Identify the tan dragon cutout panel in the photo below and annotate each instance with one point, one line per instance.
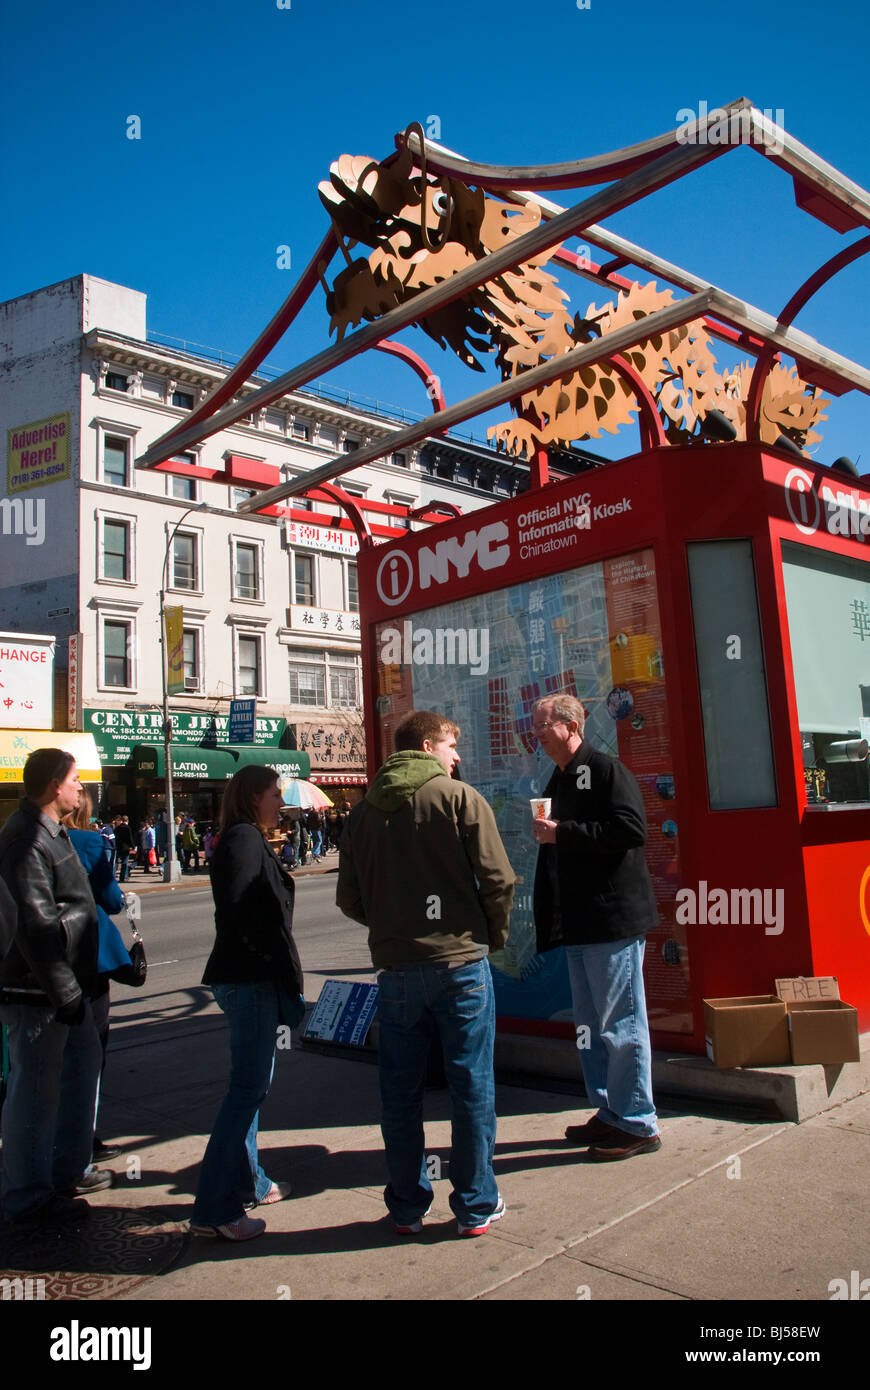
(423, 232)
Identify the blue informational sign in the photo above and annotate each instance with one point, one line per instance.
(242, 716)
(343, 1013)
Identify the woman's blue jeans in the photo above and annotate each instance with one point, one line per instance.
(458, 1006)
(231, 1173)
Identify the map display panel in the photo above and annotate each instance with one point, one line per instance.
(593, 632)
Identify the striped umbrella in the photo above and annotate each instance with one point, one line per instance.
(305, 795)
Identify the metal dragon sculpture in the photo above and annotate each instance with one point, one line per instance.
(423, 231)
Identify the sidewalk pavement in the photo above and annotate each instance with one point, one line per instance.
(152, 882)
(731, 1207)
(735, 1206)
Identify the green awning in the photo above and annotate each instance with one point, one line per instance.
(287, 762)
(216, 764)
(197, 764)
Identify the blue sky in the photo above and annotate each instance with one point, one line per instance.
(244, 105)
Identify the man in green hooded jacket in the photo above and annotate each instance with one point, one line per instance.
(422, 865)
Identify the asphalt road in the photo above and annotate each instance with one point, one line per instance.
(178, 931)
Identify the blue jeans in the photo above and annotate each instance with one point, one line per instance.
(48, 1114)
(609, 1000)
(458, 1006)
(231, 1174)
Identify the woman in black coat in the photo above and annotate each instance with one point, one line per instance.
(256, 977)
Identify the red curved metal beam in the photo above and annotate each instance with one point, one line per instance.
(421, 367)
(445, 508)
(579, 173)
(768, 353)
(652, 434)
(348, 504)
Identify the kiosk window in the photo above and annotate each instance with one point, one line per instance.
(827, 599)
(731, 675)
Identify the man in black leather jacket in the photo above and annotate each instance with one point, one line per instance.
(45, 980)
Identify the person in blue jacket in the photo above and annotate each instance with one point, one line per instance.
(112, 955)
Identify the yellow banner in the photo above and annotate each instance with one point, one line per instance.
(37, 454)
(174, 637)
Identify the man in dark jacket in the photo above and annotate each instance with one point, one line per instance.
(593, 895)
(45, 979)
(422, 865)
(123, 847)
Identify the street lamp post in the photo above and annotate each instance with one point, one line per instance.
(171, 866)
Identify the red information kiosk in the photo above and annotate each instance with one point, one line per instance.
(711, 608)
(708, 601)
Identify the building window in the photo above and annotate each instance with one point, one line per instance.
(116, 460)
(300, 430)
(247, 565)
(249, 666)
(183, 399)
(184, 489)
(192, 637)
(307, 670)
(349, 445)
(240, 494)
(116, 550)
(116, 381)
(313, 671)
(117, 645)
(402, 523)
(400, 460)
(303, 579)
(185, 570)
(181, 485)
(342, 690)
(351, 587)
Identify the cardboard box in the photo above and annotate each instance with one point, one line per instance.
(748, 1031)
(821, 1027)
(823, 1030)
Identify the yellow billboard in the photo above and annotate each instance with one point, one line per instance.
(38, 454)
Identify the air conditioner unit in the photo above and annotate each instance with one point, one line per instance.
(191, 682)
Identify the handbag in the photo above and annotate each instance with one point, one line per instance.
(152, 856)
(136, 972)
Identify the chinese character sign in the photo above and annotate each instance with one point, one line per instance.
(325, 620)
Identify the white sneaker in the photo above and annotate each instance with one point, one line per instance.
(484, 1225)
(246, 1228)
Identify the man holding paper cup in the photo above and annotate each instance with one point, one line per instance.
(593, 895)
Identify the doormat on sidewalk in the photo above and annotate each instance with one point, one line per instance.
(109, 1254)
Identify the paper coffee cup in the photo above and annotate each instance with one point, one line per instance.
(541, 807)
